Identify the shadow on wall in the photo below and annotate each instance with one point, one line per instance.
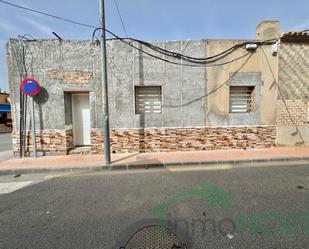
(40, 99)
(142, 115)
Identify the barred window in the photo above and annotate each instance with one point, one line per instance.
(148, 99)
(242, 99)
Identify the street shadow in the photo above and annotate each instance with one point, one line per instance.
(124, 158)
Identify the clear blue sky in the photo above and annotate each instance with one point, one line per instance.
(150, 19)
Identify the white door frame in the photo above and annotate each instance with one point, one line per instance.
(73, 112)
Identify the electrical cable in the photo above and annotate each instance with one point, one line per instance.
(212, 91)
(15, 54)
(47, 14)
(223, 53)
(283, 98)
(149, 54)
(168, 61)
(195, 60)
(119, 14)
(21, 98)
(20, 56)
(166, 52)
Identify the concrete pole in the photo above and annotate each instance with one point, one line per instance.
(104, 86)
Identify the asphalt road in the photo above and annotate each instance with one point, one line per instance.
(262, 207)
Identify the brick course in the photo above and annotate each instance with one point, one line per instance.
(185, 139)
(59, 141)
(157, 139)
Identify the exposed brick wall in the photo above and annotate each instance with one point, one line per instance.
(71, 76)
(69, 139)
(155, 140)
(185, 139)
(297, 108)
(59, 141)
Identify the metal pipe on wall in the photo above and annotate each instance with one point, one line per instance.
(33, 129)
(24, 124)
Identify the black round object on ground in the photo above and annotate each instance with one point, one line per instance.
(154, 234)
(153, 237)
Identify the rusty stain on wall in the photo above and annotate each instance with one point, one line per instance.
(74, 76)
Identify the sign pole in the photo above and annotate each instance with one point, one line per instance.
(30, 87)
(33, 129)
(24, 124)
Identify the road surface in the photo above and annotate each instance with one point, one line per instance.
(252, 207)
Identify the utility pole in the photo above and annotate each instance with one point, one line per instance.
(107, 154)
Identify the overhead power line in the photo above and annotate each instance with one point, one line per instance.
(213, 91)
(193, 60)
(47, 14)
(122, 22)
(283, 97)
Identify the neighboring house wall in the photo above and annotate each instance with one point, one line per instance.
(189, 118)
(292, 103)
(250, 70)
(4, 97)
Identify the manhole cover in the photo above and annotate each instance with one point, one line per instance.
(154, 237)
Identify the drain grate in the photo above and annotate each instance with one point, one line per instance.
(154, 237)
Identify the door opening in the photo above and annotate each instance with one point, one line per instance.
(81, 119)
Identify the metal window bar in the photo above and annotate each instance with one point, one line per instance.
(148, 99)
(241, 99)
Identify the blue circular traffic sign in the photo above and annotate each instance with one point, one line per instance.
(29, 87)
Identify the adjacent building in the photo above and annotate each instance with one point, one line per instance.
(5, 113)
(255, 97)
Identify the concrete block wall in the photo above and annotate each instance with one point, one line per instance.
(185, 139)
(68, 67)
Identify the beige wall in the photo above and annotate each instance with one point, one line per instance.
(217, 104)
(290, 135)
(268, 65)
(268, 30)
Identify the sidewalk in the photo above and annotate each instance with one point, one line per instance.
(152, 160)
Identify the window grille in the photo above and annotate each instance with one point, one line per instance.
(241, 99)
(148, 99)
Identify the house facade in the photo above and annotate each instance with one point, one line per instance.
(238, 101)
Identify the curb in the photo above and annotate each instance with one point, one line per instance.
(124, 167)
